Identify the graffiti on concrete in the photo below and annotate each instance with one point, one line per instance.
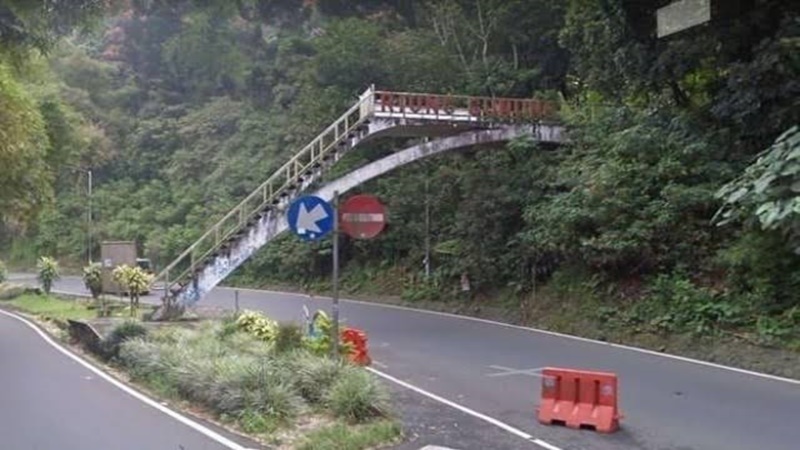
(267, 228)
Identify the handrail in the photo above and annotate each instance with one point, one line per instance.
(472, 97)
(479, 107)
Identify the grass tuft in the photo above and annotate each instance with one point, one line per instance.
(343, 437)
(357, 397)
(314, 376)
(288, 337)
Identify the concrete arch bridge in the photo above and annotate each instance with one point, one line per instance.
(447, 122)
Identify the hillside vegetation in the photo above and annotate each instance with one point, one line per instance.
(675, 209)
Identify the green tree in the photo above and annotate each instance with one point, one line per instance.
(204, 58)
(25, 181)
(768, 192)
(38, 24)
(634, 196)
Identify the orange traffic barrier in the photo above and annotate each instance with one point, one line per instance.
(358, 339)
(579, 399)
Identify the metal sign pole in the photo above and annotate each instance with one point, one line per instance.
(89, 220)
(427, 226)
(335, 306)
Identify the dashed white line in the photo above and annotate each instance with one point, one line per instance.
(491, 420)
(211, 434)
(506, 371)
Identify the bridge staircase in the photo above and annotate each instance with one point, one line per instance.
(260, 216)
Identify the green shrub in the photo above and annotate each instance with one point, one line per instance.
(93, 279)
(276, 398)
(47, 272)
(289, 336)
(121, 333)
(3, 272)
(356, 396)
(673, 303)
(134, 280)
(258, 325)
(414, 292)
(314, 376)
(232, 384)
(142, 359)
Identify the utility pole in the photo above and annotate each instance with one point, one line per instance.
(427, 226)
(335, 304)
(89, 215)
(89, 220)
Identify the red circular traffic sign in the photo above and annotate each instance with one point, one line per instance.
(362, 216)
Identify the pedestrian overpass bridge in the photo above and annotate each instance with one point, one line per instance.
(446, 122)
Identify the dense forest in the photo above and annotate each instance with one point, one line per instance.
(676, 207)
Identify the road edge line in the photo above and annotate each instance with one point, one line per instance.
(209, 433)
(491, 420)
(541, 331)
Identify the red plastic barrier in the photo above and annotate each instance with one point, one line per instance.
(358, 339)
(578, 398)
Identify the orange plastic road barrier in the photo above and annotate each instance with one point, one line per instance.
(578, 398)
(358, 339)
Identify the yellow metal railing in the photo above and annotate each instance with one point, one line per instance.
(288, 175)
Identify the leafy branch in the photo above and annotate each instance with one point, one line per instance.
(768, 191)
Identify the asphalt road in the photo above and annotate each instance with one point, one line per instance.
(49, 401)
(668, 404)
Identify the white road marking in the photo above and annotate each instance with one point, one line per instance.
(550, 333)
(222, 440)
(464, 409)
(505, 371)
(380, 364)
(545, 444)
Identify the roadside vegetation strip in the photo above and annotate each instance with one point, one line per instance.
(243, 379)
(51, 307)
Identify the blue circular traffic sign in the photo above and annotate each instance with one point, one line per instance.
(310, 217)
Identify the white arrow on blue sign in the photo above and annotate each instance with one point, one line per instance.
(310, 217)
